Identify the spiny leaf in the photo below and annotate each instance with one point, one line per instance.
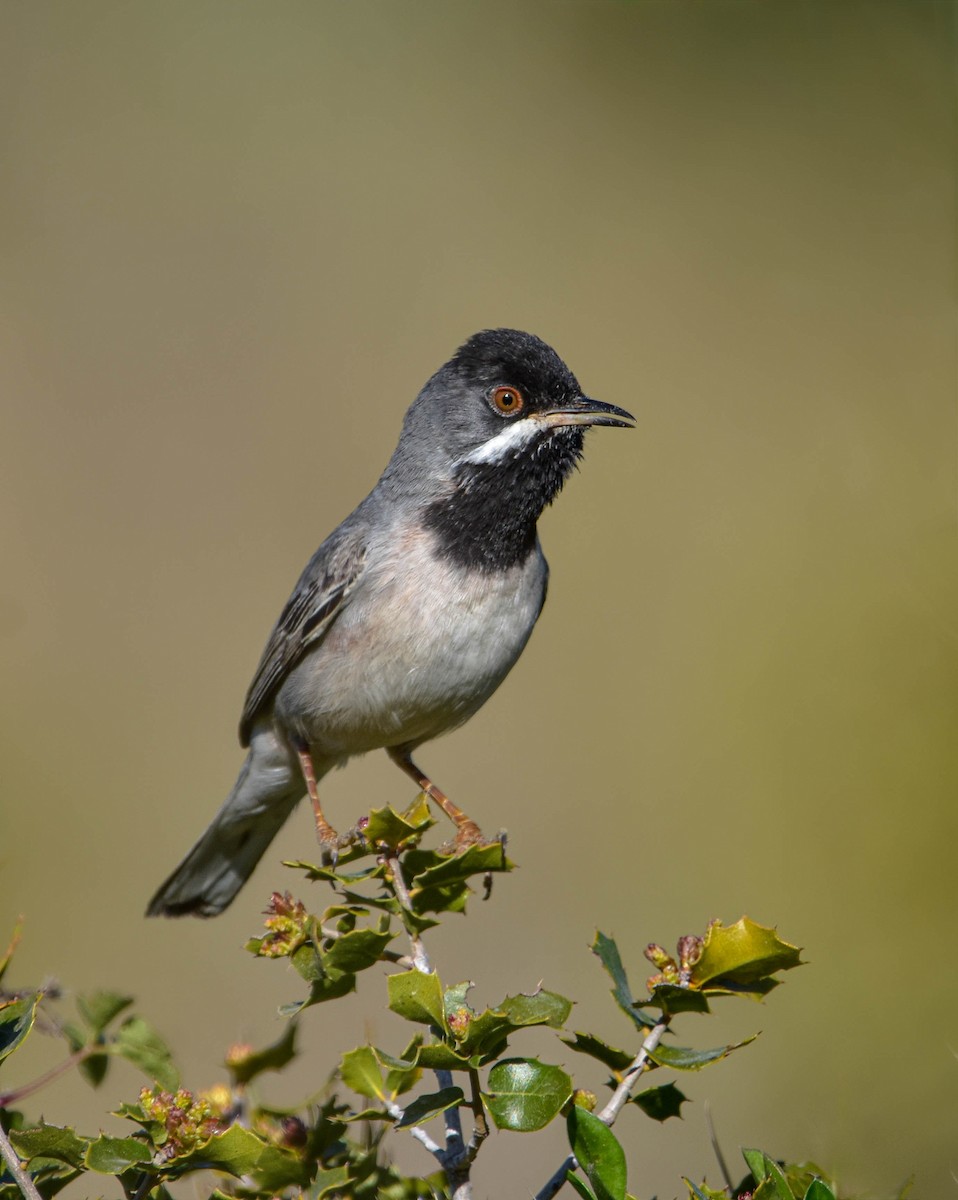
(139, 1043)
(99, 1008)
(50, 1141)
(245, 1064)
(236, 1151)
(598, 1153)
(388, 828)
(417, 996)
(607, 952)
(672, 999)
(587, 1043)
(525, 1095)
(356, 951)
(429, 869)
(742, 954)
(113, 1156)
(430, 1105)
(16, 1021)
(703, 1192)
(683, 1058)
(437, 1056)
(360, 1071)
(662, 1102)
(538, 1008)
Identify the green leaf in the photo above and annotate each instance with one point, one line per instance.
(580, 1185)
(247, 1065)
(608, 954)
(437, 1056)
(278, 1168)
(525, 1095)
(50, 1141)
(739, 955)
(16, 1021)
(113, 1156)
(703, 1192)
(139, 1043)
(321, 990)
(587, 1043)
(683, 1058)
(401, 1073)
(236, 1151)
(99, 1008)
(755, 1161)
(429, 869)
(598, 1153)
(772, 1184)
(662, 1102)
(94, 1068)
(431, 1105)
(330, 1183)
(387, 828)
(539, 1008)
(671, 998)
(360, 1071)
(819, 1190)
(356, 951)
(417, 996)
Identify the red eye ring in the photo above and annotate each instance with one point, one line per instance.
(507, 400)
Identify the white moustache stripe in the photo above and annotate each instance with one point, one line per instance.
(504, 444)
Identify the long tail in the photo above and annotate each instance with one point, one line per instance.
(267, 790)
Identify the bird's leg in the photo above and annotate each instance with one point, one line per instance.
(327, 837)
(468, 832)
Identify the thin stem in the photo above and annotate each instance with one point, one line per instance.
(480, 1130)
(420, 959)
(27, 1089)
(615, 1105)
(12, 1159)
(416, 1131)
(717, 1149)
(455, 1161)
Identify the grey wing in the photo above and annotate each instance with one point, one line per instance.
(318, 597)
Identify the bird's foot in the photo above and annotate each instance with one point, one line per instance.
(468, 834)
(331, 842)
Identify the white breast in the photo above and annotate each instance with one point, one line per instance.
(418, 649)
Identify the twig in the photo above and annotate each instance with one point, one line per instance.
(416, 1131)
(455, 1159)
(615, 1105)
(12, 1159)
(420, 959)
(480, 1130)
(27, 1089)
(717, 1149)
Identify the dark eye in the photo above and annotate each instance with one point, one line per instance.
(507, 400)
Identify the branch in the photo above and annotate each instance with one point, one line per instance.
(27, 1089)
(12, 1159)
(455, 1159)
(615, 1105)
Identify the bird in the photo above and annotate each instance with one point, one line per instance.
(414, 609)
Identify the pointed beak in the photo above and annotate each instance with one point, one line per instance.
(584, 411)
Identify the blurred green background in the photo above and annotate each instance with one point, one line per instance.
(237, 238)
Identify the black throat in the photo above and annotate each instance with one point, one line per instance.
(488, 521)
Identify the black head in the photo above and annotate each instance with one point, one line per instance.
(489, 442)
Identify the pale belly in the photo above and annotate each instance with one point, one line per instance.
(412, 657)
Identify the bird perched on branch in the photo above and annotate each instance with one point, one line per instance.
(412, 612)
